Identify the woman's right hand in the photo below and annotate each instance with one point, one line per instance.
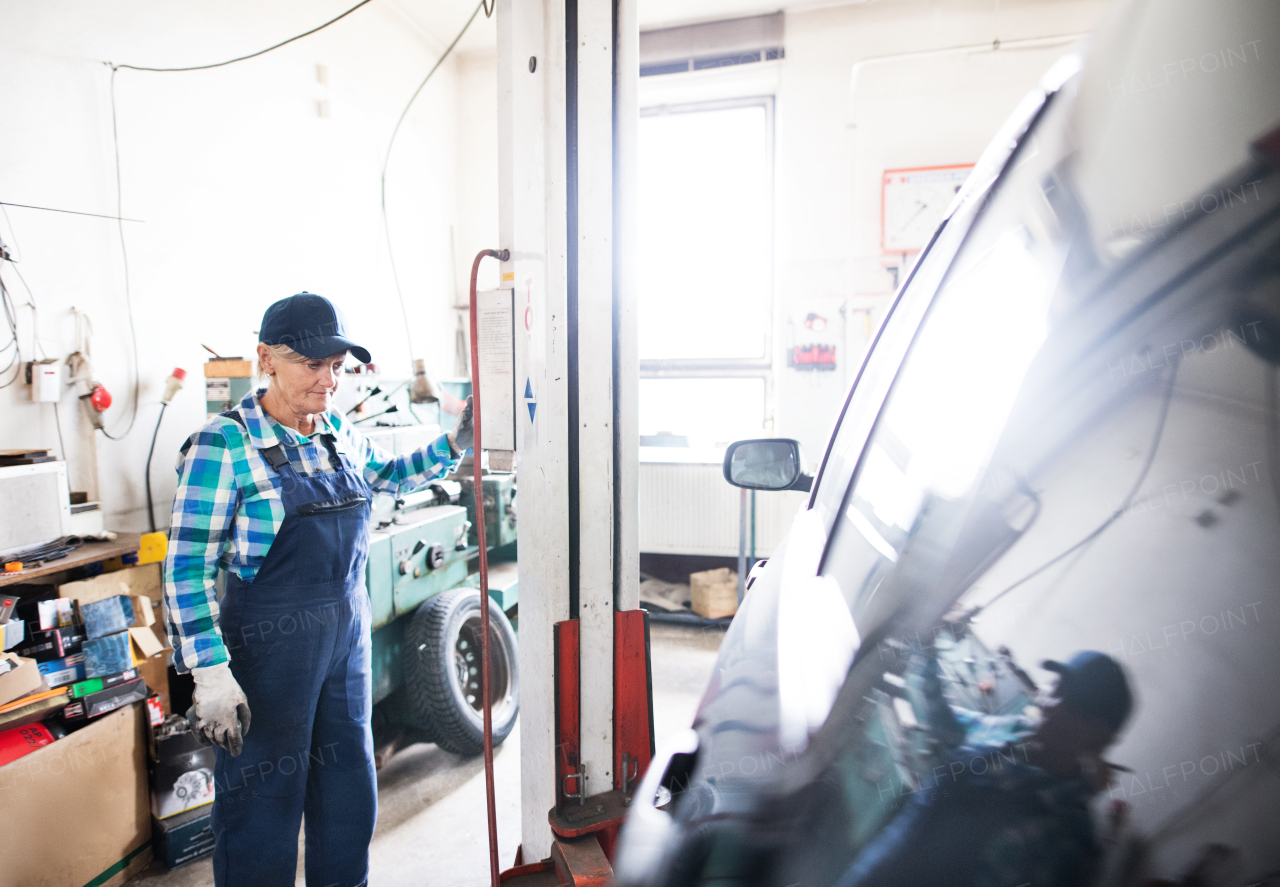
(219, 711)
(463, 435)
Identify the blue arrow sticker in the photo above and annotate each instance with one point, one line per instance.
(532, 407)
(528, 390)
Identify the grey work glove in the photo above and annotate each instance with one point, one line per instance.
(463, 435)
(220, 712)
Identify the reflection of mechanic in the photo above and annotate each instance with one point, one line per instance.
(1010, 803)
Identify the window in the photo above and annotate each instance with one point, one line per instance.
(705, 257)
(706, 412)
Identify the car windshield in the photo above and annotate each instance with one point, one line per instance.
(1074, 468)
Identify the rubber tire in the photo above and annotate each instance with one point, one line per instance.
(432, 685)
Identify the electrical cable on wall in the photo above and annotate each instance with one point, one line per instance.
(119, 216)
(70, 212)
(386, 228)
(10, 309)
(10, 312)
(151, 451)
(11, 319)
(57, 421)
(124, 254)
(252, 55)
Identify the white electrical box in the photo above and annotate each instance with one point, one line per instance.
(46, 382)
(496, 353)
(37, 505)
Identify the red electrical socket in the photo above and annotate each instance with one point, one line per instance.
(100, 398)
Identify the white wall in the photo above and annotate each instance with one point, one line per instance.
(909, 113)
(246, 192)
(477, 167)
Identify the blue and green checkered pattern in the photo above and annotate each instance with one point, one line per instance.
(228, 509)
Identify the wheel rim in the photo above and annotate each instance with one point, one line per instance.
(466, 661)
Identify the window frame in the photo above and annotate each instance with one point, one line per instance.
(761, 367)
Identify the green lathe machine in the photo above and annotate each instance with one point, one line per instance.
(423, 545)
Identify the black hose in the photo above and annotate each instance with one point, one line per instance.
(151, 510)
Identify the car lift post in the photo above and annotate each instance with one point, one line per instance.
(568, 73)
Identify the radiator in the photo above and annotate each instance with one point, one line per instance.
(689, 508)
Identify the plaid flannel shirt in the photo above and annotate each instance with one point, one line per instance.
(228, 509)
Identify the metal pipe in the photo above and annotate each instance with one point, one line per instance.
(742, 544)
(478, 492)
(993, 46)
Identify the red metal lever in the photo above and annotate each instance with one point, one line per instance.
(478, 491)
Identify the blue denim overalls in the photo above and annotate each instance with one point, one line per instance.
(298, 636)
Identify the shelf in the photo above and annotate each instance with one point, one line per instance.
(90, 552)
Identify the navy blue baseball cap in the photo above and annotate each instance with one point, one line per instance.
(1094, 685)
(311, 325)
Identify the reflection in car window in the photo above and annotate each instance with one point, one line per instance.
(953, 393)
(882, 363)
(1050, 537)
(900, 325)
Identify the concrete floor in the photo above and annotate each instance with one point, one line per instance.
(431, 811)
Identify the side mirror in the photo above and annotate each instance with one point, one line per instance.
(771, 463)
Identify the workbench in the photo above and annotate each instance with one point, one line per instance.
(88, 553)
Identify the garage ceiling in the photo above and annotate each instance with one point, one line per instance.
(439, 20)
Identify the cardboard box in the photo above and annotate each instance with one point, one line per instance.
(80, 810)
(55, 643)
(714, 593)
(183, 838)
(93, 685)
(56, 612)
(182, 776)
(144, 613)
(107, 616)
(15, 632)
(64, 671)
(146, 581)
(23, 678)
(108, 655)
(145, 642)
(155, 671)
(33, 712)
(108, 699)
(21, 741)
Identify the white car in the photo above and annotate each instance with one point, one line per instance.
(1063, 439)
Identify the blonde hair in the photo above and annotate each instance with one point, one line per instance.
(279, 352)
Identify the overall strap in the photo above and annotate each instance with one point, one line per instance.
(275, 455)
(334, 459)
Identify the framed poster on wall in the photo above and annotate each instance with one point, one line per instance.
(913, 202)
